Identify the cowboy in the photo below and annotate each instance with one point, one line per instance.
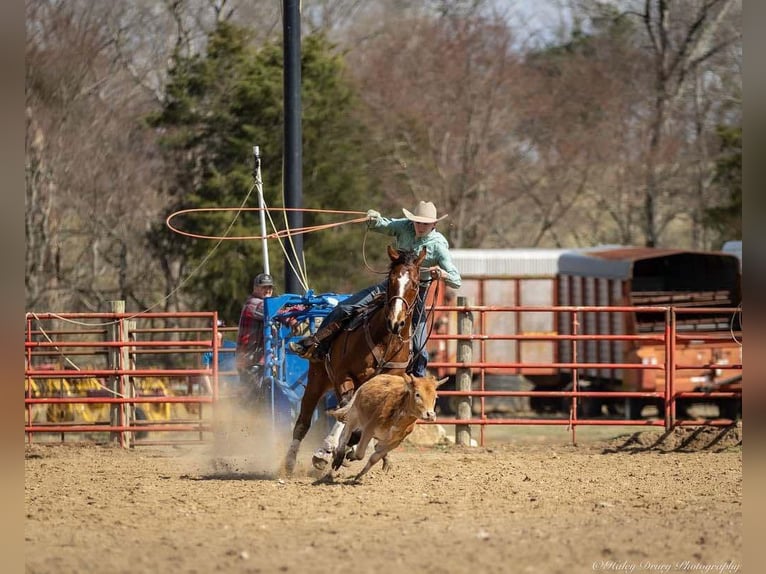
(413, 232)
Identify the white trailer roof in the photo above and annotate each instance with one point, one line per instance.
(528, 262)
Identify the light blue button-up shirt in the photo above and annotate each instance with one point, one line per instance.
(437, 247)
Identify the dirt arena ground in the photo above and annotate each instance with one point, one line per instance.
(527, 502)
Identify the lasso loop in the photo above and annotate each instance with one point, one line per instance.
(276, 235)
(364, 256)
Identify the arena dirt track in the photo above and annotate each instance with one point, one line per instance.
(528, 505)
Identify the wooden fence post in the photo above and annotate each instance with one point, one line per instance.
(463, 377)
(117, 358)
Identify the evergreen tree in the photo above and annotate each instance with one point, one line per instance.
(218, 105)
(726, 219)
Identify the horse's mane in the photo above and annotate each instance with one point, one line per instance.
(406, 257)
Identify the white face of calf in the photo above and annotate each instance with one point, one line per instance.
(423, 396)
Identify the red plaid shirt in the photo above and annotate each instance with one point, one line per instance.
(250, 334)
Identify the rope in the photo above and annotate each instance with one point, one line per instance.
(178, 287)
(364, 254)
(288, 233)
(276, 235)
(60, 351)
(302, 271)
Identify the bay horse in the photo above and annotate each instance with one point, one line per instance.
(381, 344)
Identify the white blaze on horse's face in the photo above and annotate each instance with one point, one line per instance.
(398, 306)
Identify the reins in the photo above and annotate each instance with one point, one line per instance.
(428, 312)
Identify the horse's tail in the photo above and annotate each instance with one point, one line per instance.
(342, 412)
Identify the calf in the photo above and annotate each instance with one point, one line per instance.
(385, 408)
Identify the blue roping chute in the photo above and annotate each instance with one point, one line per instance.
(286, 371)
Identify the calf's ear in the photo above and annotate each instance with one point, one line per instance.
(441, 382)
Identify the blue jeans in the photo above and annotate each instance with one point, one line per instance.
(358, 300)
(419, 336)
(361, 299)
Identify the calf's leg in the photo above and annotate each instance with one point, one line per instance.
(340, 450)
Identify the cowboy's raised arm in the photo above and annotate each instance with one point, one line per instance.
(386, 226)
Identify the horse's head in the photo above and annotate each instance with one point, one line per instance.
(403, 284)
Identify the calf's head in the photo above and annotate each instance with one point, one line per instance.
(422, 396)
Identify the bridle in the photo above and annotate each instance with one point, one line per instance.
(380, 357)
(409, 306)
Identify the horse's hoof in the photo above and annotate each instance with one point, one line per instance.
(321, 458)
(286, 470)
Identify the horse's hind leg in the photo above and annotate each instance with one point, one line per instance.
(317, 386)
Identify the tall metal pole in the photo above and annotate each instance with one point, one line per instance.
(262, 205)
(293, 174)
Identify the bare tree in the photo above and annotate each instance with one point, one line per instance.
(91, 170)
(439, 93)
(578, 109)
(682, 37)
(594, 115)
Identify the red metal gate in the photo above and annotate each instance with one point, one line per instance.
(119, 376)
(89, 376)
(649, 368)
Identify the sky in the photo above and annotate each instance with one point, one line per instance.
(539, 18)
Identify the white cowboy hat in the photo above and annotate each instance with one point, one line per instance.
(425, 212)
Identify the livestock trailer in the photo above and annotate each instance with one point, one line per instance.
(641, 276)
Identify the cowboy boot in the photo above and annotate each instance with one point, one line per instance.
(307, 346)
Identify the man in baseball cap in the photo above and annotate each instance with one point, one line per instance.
(263, 280)
(249, 353)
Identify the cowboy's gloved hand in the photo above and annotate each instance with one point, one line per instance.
(372, 214)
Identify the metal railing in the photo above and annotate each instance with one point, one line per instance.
(116, 376)
(470, 374)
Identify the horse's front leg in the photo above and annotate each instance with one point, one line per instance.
(325, 453)
(316, 387)
(340, 447)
